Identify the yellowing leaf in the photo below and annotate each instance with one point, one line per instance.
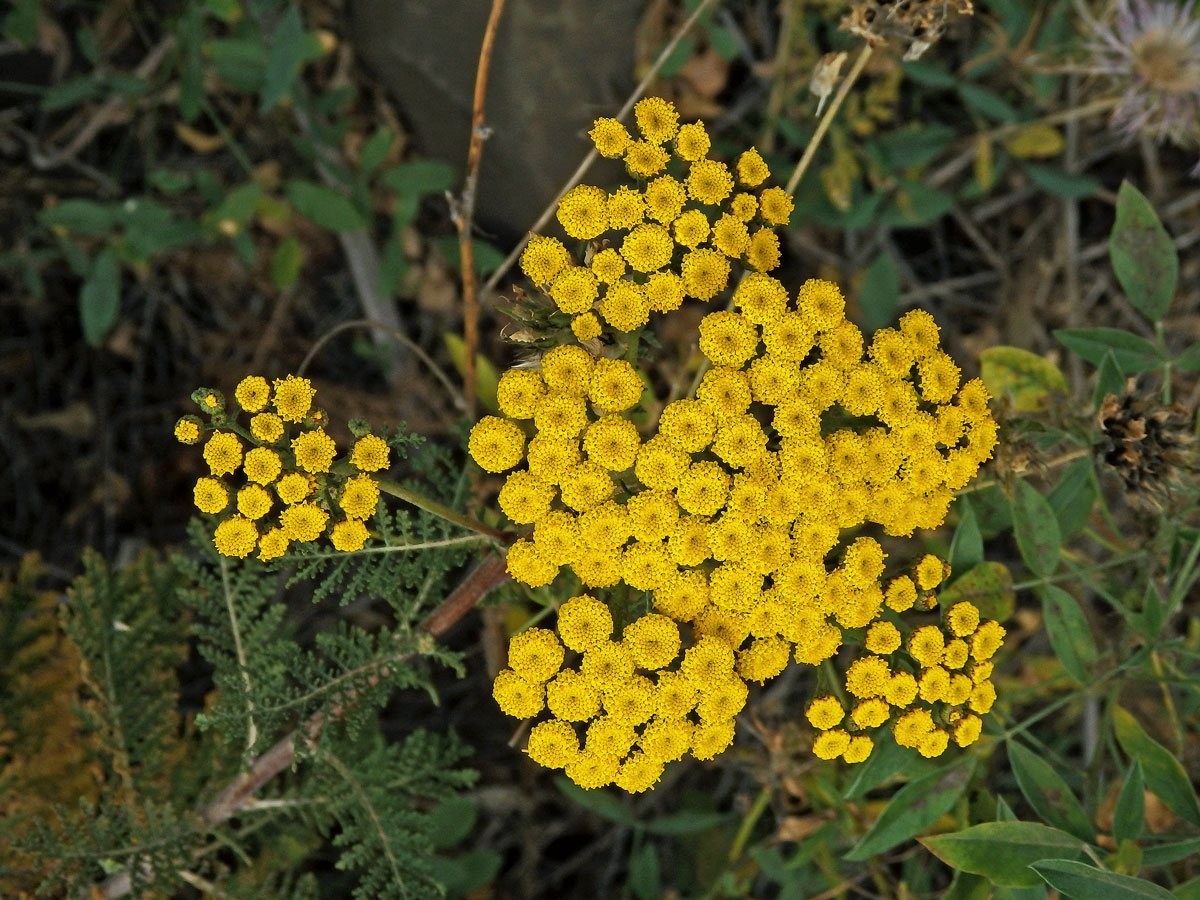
(199, 141)
(985, 174)
(1025, 377)
(1036, 142)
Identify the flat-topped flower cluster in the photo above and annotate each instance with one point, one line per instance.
(291, 459)
(723, 518)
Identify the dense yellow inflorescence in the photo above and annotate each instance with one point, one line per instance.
(801, 429)
(294, 487)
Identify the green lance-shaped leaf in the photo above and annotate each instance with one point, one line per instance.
(1048, 793)
(1003, 851)
(1133, 353)
(1036, 529)
(1164, 774)
(1143, 255)
(1069, 634)
(1080, 881)
(914, 808)
(1024, 377)
(100, 298)
(1130, 811)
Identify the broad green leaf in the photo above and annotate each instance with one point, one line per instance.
(1068, 631)
(1109, 380)
(914, 808)
(375, 150)
(916, 146)
(987, 102)
(1048, 793)
(71, 93)
(685, 822)
(1165, 854)
(644, 875)
(886, 759)
(239, 62)
(1164, 774)
(601, 803)
(100, 298)
(1143, 255)
(1134, 354)
(1079, 881)
(1189, 890)
(966, 547)
(1035, 528)
(1036, 141)
(916, 204)
(1073, 497)
(1130, 812)
(1054, 180)
(1003, 851)
(21, 23)
(451, 821)
(466, 873)
(1024, 377)
(324, 206)
(286, 262)
(929, 73)
(880, 296)
(237, 205)
(988, 585)
(1189, 358)
(80, 216)
(283, 65)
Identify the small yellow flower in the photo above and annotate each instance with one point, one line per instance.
(610, 137)
(293, 397)
(236, 536)
(517, 696)
(608, 266)
(496, 444)
(253, 501)
(692, 142)
(776, 206)
(664, 199)
(360, 496)
(656, 118)
(252, 393)
(370, 453)
(647, 247)
(586, 327)
(645, 159)
(210, 496)
(314, 450)
(267, 428)
(752, 169)
(705, 273)
(543, 258)
(272, 545)
(348, 535)
(552, 744)
(574, 290)
(625, 306)
(262, 465)
(223, 453)
(294, 487)
(584, 622)
(825, 712)
(187, 430)
(303, 521)
(691, 229)
(535, 654)
(583, 212)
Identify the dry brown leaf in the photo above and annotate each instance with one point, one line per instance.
(199, 141)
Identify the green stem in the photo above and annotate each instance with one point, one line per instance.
(743, 833)
(437, 509)
(1162, 348)
(1077, 573)
(1063, 701)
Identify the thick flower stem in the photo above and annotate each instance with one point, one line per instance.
(442, 512)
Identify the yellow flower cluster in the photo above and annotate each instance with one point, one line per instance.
(295, 465)
(662, 256)
(723, 518)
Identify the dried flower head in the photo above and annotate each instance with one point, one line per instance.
(1149, 445)
(1151, 51)
(915, 25)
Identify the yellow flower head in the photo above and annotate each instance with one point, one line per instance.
(543, 258)
(962, 618)
(528, 565)
(822, 303)
(187, 430)
(262, 465)
(664, 291)
(776, 206)
(626, 307)
(303, 521)
(691, 228)
(610, 137)
(825, 712)
(566, 370)
(705, 273)
(572, 697)
(752, 169)
(763, 252)
(709, 182)
(653, 641)
(314, 450)
(608, 265)
(293, 397)
(235, 536)
(360, 496)
(583, 212)
(517, 696)
(294, 487)
(626, 208)
(647, 247)
(867, 676)
(744, 206)
(525, 498)
(656, 118)
(615, 385)
(252, 393)
(692, 142)
(926, 645)
(223, 453)
(496, 444)
(348, 535)
(267, 428)
(253, 501)
(535, 654)
(552, 744)
(586, 327)
(584, 622)
(574, 289)
(644, 158)
(272, 545)
(930, 572)
(210, 496)
(831, 744)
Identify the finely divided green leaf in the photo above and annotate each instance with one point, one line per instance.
(1069, 634)
(1133, 354)
(1143, 255)
(914, 808)
(1130, 811)
(1003, 851)
(1164, 774)
(1079, 881)
(1048, 793)
(1035, 528)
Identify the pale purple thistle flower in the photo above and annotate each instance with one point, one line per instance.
(1153, 51)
